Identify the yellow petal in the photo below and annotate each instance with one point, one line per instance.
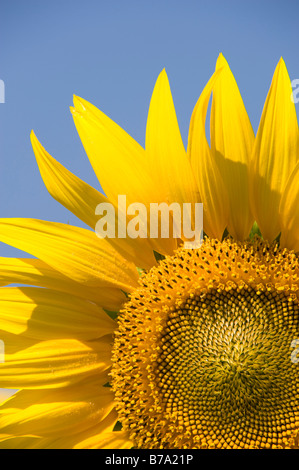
(75, 252)
(69, 190)
(107, 440)
(103, 436)
(36, 272)
(5, 394)
(81, 199)
(91, 438)
(47, 314)
(119, 163)
(289, 212)
(165, 149)
(166, 156)
(274, 153)
(52, 364)
(232, 141)
(54, 413)
(117, 159)
(7, 441)
(212, 191)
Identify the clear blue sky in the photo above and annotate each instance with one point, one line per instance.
(110, 52)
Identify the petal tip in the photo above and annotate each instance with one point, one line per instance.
(162, 77)
(36, 145)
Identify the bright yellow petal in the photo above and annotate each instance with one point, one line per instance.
(212, 191)
(165, 149)
(81, 199)
(75, 252)
(107, 440)
(9, 442)
(52, 364)
(274, 154)
(289, 212)
(36, 272)
(56, 413)
(96, 437)
(119, 163)
(47, 314)
(103, 436)
(232, 140)
(91, 438)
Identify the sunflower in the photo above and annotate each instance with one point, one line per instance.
(121, 343)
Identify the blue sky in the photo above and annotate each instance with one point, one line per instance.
(110, 52)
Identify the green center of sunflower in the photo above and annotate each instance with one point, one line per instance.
(202, 355)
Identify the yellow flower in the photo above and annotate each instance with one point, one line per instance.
(200, 353)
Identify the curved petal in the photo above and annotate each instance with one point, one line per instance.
(119, 163)
(34, 272)
(52, 364)
(274, 153)
(117, 159)
(5, 394)
(232, 140)
(75, 252)
(289, 212)
(10, 442)
(96, 437)
(165, 149)
(102, 436)
(107, 440)
(47, 314)
(212, 191)
(69, 190)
